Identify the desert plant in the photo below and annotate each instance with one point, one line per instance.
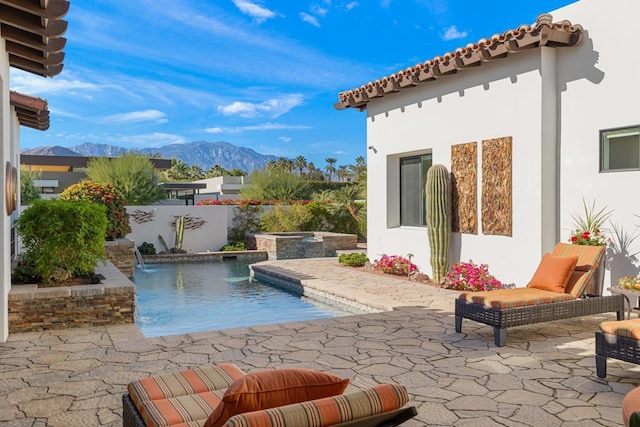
(179, 225)
(353, 259)
(147, 248)
(63, 238)
(439, 219)
(107, 196)
(133, 175)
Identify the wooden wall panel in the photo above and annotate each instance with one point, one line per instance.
(464, 188)
(497, 210)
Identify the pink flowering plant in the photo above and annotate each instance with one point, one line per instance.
(467, 276)
(394, 264)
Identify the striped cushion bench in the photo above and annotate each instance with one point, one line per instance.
(184, 398)
(372, 403)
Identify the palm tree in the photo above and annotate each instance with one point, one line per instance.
(330, 168)
(343, 173)
(360, 161)
(300, 162)
(179, 171)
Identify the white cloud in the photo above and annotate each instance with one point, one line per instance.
(318, 10)
(137, 116)
(31, 84)
(309, 19)
(261, 127)
(285, 138)
(257, 12)
(272, 108)
(452, 33)
(351, 5)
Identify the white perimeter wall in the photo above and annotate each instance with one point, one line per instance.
(210, 237)
(602, 90)
(455, 110)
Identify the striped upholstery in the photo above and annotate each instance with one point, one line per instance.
(622, 328)
(588, 259)
(327, 411)
(515, 297)
(184, 398)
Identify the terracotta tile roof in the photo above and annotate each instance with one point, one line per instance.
(33, 32)
(32, 112)
(544, 32)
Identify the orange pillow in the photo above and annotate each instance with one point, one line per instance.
(553, 273)
(273, 388)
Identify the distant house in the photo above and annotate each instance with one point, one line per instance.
(33, 42)
(530, 122)
(59, 172)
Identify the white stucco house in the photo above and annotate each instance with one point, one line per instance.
(551, 104)
(31, 40)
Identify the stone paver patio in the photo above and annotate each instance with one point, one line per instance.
(544, 376)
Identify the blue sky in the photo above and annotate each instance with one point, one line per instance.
(262, 74)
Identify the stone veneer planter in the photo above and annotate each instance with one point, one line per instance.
(304, 244)
(37, 309)
(120, 253)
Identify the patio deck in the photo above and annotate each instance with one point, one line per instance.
(544, 375)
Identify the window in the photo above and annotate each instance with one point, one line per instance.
(620, 149)
(413, 176)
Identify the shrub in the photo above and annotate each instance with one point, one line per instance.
(108, 196)
(147, 248)
(28, 191)
(354, 259)
(238, 246)
(467, 276)
(246, 219)
(62, 238)
(275, 184)
(394, 264)
(133, 175)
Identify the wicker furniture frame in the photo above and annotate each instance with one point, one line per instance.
(501, 319)
(590, 265)
(131, 417)
(616, 347)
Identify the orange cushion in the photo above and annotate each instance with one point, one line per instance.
(630, 404)
(514, 297)
(622, 328)
(553, 273)
(273, 388)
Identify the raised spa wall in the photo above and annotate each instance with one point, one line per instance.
(301, 244)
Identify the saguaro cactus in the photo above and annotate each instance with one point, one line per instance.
(438, 190)
(179, 232)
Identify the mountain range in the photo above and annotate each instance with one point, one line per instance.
(200, 153)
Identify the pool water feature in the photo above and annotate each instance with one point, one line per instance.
(191, 297)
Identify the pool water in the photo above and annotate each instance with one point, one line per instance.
(191, 297)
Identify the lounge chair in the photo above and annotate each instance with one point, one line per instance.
(505, 308)
(197, 397)
(617, 340)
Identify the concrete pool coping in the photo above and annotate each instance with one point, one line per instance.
(544, 375)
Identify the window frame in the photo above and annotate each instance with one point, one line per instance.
(422, 222)
(602, 150)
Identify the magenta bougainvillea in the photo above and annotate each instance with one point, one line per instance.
(467, 276)
(394, 264)
(108, 196)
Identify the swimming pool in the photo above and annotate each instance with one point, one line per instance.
(191, 297)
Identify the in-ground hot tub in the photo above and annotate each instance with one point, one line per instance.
(303, 244)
